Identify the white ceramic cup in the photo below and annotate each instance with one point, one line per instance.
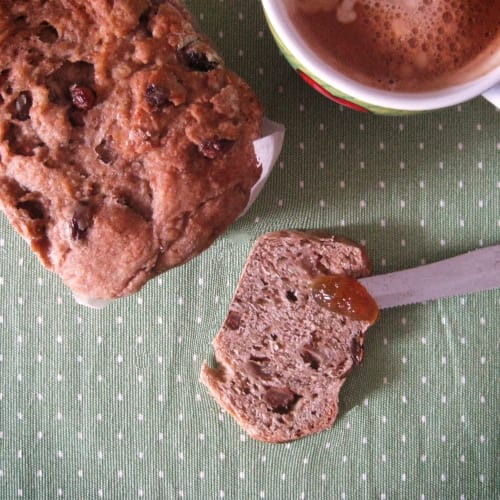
(341, 88)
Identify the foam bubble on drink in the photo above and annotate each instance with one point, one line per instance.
(403, 43)
(346, 12)
(426, 29)
(424, 24)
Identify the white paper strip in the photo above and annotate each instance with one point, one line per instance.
(267, 150)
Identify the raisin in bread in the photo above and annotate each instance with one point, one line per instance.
(126, 146)
(281, 357)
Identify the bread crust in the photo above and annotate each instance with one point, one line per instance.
(281, 357)
(126, 146)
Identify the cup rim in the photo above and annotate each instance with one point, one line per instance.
(410, 101)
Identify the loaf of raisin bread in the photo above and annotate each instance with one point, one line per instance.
(126, 146)
(281, 355)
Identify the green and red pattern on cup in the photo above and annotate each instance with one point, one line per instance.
(327, 90)
(363, 98)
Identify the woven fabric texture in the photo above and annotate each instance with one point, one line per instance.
(108, 404)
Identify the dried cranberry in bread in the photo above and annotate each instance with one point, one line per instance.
(126, 146)
(281, 356)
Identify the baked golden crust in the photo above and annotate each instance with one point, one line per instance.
(126, 146)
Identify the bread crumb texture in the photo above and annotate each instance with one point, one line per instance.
(281, 357)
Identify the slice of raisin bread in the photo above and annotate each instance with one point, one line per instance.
(282, 357)
(126, 145)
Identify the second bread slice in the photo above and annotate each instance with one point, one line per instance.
(282, 358)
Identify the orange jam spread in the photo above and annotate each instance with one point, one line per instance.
(345, 295)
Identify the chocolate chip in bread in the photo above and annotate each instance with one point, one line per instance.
(126, 146)
(282, 357)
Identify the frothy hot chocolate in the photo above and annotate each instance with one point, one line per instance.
(402, 45)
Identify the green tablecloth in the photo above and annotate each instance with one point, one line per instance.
(107, 403)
